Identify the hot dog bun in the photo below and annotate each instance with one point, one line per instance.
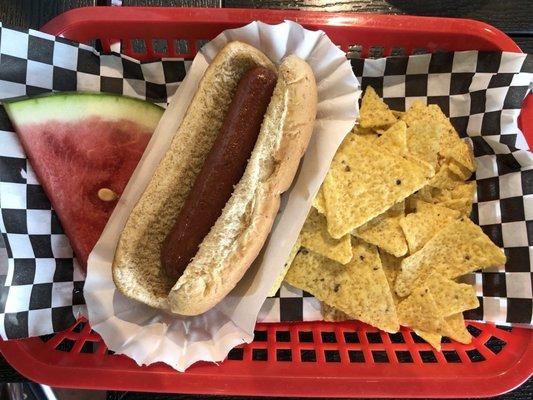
(239, 233)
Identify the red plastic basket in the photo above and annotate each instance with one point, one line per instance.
(347, 359)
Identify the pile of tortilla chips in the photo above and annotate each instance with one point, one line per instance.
(389, 231)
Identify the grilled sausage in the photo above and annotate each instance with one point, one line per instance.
(221, 171)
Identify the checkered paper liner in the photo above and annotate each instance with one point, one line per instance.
(41, 288)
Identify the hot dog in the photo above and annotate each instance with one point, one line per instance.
(173, 228)
(221, 171)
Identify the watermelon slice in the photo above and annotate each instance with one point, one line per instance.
(83, 148)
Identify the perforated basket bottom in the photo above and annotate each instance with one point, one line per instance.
(320, 343)
(303, 358)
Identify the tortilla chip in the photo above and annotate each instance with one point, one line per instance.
(410, 204)
(465, 190)
(463, 154)
(364, 181)
(426, 194)
(459, 198)
(331, 314)
(394, 139)
(359, 288)
(359, 130)
(391, 267)
(458, 331)
(433, 339)
(281, 276)
(423, 224)
(319, 203)
(445, 178)
(416, 112)
(385, 232)
(449, 137)
(374, 112)
(398, 114)
(464, 206)
(458, 248)
(423, 140)
(462, 172)
(451, 297)
(314, 236)
(419, 311)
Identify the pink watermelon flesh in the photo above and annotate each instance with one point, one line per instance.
(74, 160)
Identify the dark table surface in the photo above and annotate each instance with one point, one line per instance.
(514, 17)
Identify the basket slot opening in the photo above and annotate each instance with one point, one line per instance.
(283, 355)
(398, 51)
(332, 356)
(473, 330)
(328, 337)
(495, 344)
(351, 337)
(356, 356)
(160, 46)
(138, 46)
(110, 352)
(416, 338)
(200, 43)
(307, 355)
(374, 337)
(354, 51)
(181, 46)
(396, 337)
(444, 339)
(427, 356)
(420, 50)
(66, 345)
(259, 355)
(380, 356)
(404, 356)
(475, 356)
(376, 51)
(283, 336)
(89, 347)
(46, 338)
(78, 327)
(451, 356)
(504, 328)
(236, 354)
(260, 336)
(305, 337)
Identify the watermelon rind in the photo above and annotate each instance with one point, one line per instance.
(75, 106)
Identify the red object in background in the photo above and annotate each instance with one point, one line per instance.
(348, 359)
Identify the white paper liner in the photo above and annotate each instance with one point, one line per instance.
(149, 335)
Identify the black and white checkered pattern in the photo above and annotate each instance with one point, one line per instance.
(42, 289)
